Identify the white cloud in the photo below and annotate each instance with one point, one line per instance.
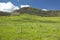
(7, 7)
(16, 8)
(22, 6)
(44, 9)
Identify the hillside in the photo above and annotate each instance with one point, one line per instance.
(4, 13)
(28, 24)
(32, 11)
(39, 12)
(29, 27)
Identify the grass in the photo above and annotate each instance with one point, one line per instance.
(29, 27)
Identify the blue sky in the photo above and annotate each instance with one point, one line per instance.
(43, 4)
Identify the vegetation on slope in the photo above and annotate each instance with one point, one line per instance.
(29, 27)
(4, 13)
(32, 11)
(39, 12)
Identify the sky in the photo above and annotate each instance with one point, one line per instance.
(40, 4)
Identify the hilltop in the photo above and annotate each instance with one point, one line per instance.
(39, 12)
(32, 11)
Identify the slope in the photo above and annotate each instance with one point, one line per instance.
(29, 27)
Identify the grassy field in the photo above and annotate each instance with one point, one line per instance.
(29, 27)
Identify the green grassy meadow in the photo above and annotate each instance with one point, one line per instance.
(29, 27)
